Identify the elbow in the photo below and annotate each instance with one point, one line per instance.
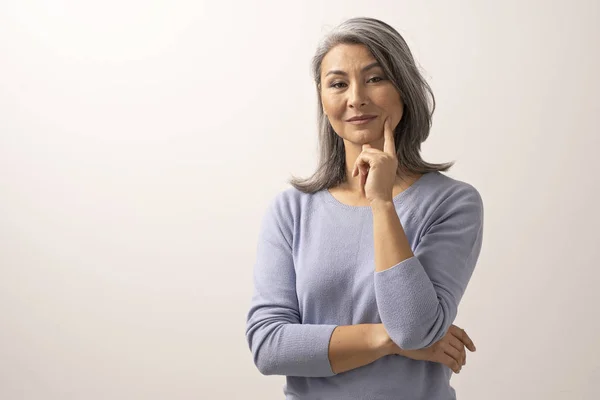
(408, 339)
(264, 367)
(420, 336)
(263, 341)
(264, 359)
(426, 331)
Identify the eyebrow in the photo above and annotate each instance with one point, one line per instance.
(339, 72)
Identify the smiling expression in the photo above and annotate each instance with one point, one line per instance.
(354, 84)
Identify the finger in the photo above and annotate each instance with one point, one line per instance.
(359, 169)
(364, 161)
(454, 353)
(462, 335)
(363, 169)
(467, 341)
(363, 181)
(449, 362)
(459, 346)
(389, 145)
(357, 163)
(371, 150)
(356, 169)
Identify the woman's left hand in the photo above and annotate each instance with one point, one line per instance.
(449, 350)
(377, 168)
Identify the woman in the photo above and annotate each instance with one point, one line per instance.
(361, 267)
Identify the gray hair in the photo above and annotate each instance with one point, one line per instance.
(391, 51)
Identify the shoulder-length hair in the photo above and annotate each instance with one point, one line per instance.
(391, 51)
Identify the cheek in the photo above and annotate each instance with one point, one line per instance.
(386, 97)
(334, 109)
(390, 103)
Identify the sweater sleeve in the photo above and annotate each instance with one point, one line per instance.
(418, 298)
(280, 343)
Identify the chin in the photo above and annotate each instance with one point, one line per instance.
(363, 136)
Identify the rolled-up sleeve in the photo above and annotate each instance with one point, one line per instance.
(418, 298)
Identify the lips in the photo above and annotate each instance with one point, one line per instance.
(361, 118)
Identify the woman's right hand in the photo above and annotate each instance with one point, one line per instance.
(450, 350)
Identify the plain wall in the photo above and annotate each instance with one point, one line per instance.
(140, 143)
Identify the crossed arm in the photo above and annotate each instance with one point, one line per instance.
(417, 295)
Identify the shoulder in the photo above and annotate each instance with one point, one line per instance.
(287, 206)
(448, 188)
(446, 196)
(290, 201)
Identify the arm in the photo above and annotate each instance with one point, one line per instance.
(418, 293)
(353, 346)
(280, 343)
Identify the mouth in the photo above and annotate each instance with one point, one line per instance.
(361, 120)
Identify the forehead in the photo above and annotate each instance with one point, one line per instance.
(347, 57)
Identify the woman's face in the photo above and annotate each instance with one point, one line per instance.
(352, 84)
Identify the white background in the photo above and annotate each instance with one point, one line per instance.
(140, 142)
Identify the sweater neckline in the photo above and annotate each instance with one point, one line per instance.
(396, 200)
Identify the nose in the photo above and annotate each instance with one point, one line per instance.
(357, 97)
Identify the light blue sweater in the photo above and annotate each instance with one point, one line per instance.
(315, 270)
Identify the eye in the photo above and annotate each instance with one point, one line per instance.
(339, 85)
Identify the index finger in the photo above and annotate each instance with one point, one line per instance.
(389, 145)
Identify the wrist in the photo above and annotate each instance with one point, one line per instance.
(382, 204)
(381, 342)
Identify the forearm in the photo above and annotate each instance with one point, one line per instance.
(290, 349)
(418, 290)
(391, 245)
(353, 346)
(406, 297)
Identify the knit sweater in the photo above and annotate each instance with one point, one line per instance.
(315, 270)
